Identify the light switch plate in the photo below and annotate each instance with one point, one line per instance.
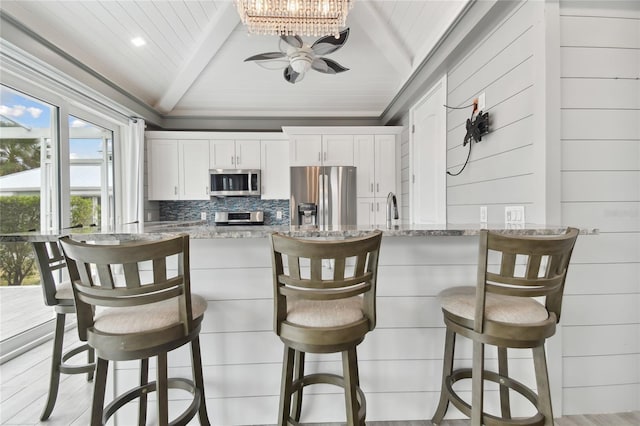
(483, 214)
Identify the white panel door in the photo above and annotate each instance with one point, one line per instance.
(385, 165)
(163, 169)
(247, 154)
(222, 154)
(428, 148)
(305, 150)
(194, 169)
(337, 150)
(275, 174)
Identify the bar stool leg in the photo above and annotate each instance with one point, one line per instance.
(284, 410)
(447, 369)
(198, 378)
(542, 381)
(99, 385)
(144, 379)
(298, 373)
(162, 389)
(56, 360)
(503, 370)
(350, 371)
(477, 384)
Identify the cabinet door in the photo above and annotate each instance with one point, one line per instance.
(194, 169)
(247, 154)
(368, 211)
(337, 150)
(275, 174)
(385, 165)
(163, 169)
(222, 154)
(364, 160)
(305, 150)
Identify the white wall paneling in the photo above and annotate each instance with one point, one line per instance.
(600, 52)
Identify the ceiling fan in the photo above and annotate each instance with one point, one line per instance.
(297, 57)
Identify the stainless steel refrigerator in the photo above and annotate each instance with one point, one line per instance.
(323, 196)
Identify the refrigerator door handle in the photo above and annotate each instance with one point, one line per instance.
(325, 199)
(320, 212)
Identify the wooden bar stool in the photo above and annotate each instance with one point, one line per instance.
(501, 311)
(140, 314)
(60, 296)
(323, 310)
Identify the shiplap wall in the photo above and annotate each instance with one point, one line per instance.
(501, 170)
(600, 80)
(600, 175)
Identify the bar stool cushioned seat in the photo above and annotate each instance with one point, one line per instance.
(324, 295)
(139, 305)
(516, 304)
(59, 295)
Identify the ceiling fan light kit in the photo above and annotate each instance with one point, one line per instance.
(294, 17)
(298, 57)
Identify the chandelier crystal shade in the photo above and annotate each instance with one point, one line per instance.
(294, 17)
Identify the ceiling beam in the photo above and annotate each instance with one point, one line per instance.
(213, 37)
(382, 36)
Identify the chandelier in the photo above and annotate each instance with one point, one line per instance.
(294, 17)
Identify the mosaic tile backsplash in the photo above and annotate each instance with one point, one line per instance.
(190, 210)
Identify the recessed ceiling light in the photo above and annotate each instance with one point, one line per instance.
(138, 41)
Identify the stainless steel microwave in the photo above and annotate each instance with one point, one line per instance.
(234, 182)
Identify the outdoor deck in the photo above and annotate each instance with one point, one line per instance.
(21, 309)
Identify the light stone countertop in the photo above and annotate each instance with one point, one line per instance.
(203, 230)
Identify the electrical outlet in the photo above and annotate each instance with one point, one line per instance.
(203, 215)
(279, 214)
(483, 214)
(514, 215)
(149, 216)
(481, 102)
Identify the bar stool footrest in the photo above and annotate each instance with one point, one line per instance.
(488, 419)
(76, 368)
(143, 390)
(329, 379)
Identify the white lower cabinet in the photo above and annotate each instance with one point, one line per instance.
(275, 175)
(178, 169)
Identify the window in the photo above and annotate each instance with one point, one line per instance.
(56, 173)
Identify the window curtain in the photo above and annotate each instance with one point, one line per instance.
(132, 175)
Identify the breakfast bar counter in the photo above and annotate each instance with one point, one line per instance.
(400, 361)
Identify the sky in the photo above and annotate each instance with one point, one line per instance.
(34, 114)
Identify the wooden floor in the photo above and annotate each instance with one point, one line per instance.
(21, 308)
(24, 384)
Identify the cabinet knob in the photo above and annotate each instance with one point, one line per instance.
(175, 190)
(238, 160)
(371, 187)
(318, 157)
(232, 160)
(377, 187)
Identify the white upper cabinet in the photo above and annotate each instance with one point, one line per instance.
(321, 150)
(193, 167)
(178, 169)
(234, 154)
(163, 172)
(275, 176)
(375, 159)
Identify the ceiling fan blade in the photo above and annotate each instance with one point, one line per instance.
(292, 40)
(329, 44)
(291, 76)
(265, 56)
(270, 60)
(327, 66)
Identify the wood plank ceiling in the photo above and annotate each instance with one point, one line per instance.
(193, 60)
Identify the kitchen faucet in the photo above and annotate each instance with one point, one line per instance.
(391, 204)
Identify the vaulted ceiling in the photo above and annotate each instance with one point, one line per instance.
(192, 64)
